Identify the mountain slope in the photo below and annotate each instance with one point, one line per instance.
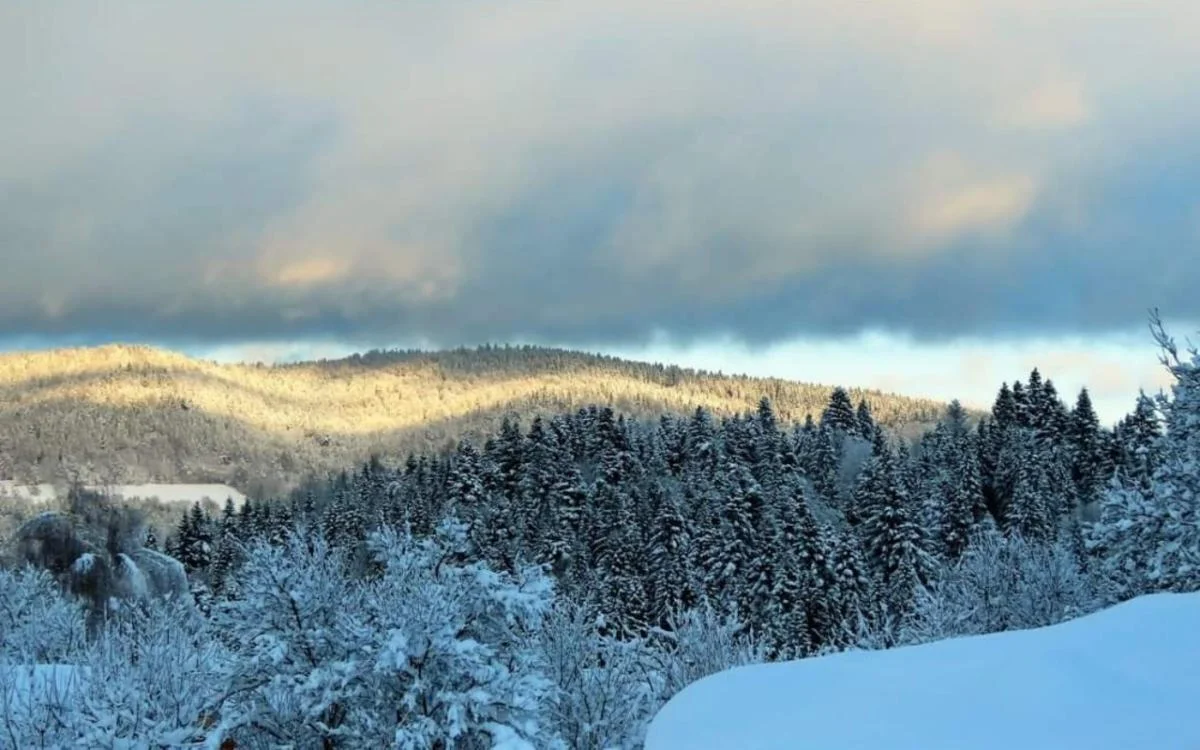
(121, 414)
(1126, 677)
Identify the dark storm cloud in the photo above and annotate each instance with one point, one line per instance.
(595, 171)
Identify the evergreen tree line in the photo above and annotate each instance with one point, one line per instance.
(805, 535)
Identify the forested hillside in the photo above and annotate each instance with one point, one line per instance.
(121, 414)
(796, 530)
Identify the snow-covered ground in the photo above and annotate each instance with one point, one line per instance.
(167, 493)
(1127, 678)
(34, 689)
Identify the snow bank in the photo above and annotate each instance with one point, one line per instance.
(167, 493)
(1127, 677)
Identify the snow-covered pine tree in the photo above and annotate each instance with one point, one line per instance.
(1089, 469)
(1004, 411)
(822, 465)
(1029, 513)
(226, 552)
(1022, 406)
(508, 454)
(897, 544)
(766, 448)
(1140, 450)
(956, 419)
(839, 415)
(1052, 417)
(851, 597)
(964, 504)
(194, 541)
(733, 567)
(465, 492)
(1150, 536)
(670, 588)
(801, 616)
(866, 422)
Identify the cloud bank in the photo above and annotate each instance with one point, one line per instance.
(597, 171)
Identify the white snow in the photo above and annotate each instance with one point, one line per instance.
(84, 563)
(137, 579)
(27, 688)
(1127, 677)
(167, 493)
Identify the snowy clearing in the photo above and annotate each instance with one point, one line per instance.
(1126, 677)
(167, 493)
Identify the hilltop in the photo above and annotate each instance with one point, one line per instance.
(125, 414)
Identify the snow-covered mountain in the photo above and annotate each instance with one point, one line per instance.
(1124, 678)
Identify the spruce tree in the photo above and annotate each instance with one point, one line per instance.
(839, 415)
(669, 554)
(465, 493)
(956, 419)
(1087, 449)
(1022, 407)
(194, 540)
(851, 595)
(1029, 513)
(1150, 535)
(823, 465)
(1004, 411)
(1140, 451)
(964, 503)
(866, 422)
(895, 541)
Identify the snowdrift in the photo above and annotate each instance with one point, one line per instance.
(1127, 677)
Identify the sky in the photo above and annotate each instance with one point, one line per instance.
(928, 196)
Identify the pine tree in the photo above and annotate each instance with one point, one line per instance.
(282, 526)
(1036, 402)
(465, 492)
(869, 489)
(1150, 535)
(851, 596)
(895, 541)
(740, 573)
(822, 465)
(508, 455)
(225, 557)
(866, 423)
(1087, 448)
(1021, 404)
(1053, 422)
(1029, 513)
(956, 419)
(805, 577)
(194, 540)
(1140, 452)
(669, 553)
(767, 424)
(1004, 411)
(617, 552)
(964, 503)
(839, 415)
(766, 449)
